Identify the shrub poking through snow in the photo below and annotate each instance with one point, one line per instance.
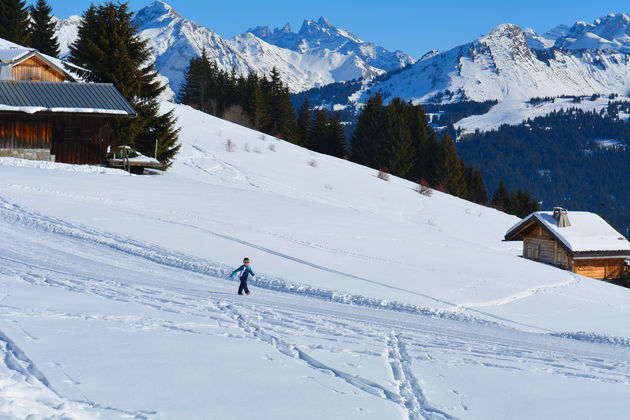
(312, 163)
(424, 188)
(272, 147)
(229, 145)
(383, 174)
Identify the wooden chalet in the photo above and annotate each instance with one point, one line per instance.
(31, 65)
(46, 116)
(581, 242)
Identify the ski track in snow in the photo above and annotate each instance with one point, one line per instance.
(156, 254)
(408, 387)
(219, 312)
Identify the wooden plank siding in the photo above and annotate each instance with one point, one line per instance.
(80, 140)
(36, 70)
(602, 269)
(71, 139)
(22, 132)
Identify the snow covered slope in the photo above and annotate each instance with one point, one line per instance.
(324, 55)
(370, 301)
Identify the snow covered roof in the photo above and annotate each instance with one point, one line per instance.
(588, 232)
(93, 98)
(11, 55)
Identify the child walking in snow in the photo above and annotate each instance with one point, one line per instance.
(245, 271)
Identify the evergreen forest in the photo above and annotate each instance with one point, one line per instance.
(570, 158)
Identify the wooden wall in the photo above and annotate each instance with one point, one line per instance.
(602, 269)
(24, 132)
(80, 139)
(72, 138)
(539, 245)
(34, 69)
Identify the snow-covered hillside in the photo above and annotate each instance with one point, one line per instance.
(371, 301)
(325, 54)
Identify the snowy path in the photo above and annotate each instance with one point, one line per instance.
(381, 361)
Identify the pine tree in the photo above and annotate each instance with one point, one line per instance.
(109, 46)
(14, 22)
(367, 140)
(304, 124)
(283, 123)
(450, 170)
(399, 147)
(421, 134)
(336, 138)
(501, 197)
(43, 36)
(319, 131)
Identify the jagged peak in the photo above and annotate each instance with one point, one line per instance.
(615, 17)
(506, 30)
(286, 29)
(430, 54)
(156, 11)
(260, 31)
(323, 22)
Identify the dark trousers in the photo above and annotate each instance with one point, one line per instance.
(243, 287)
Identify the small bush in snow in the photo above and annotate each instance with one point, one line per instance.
(328, 187)
(246, 147)
(424, 190)
(257, 150)
(229, 145)
(262, 137)
(313, 163)
(272, 147)
(383, 174)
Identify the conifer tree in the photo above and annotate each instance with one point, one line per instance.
(43, 36)
(399, 147)
(336, 137)
(281, 110)
(450, 170)
(501, 197)
(319, 128)
(14, 22)
(109, 46)
(304, 124)
(367, 141)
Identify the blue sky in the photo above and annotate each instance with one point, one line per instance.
(414, 27)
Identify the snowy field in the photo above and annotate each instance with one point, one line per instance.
(515, 112)
(371, 301)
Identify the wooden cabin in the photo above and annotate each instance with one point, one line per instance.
(577, 241)
(30, 65)
(59, 121)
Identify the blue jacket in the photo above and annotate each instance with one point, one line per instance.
(245, 271)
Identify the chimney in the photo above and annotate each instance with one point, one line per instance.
(561, 217)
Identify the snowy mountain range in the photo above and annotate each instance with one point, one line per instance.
(318, 54)
(509, 64)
